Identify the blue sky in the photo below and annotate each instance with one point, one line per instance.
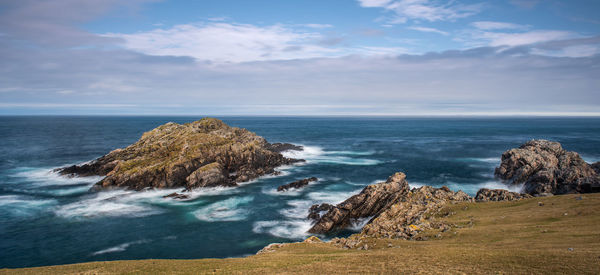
(367, 57)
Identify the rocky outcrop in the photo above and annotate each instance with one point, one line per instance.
(543, 167)
(296, 184)
(203, 153)
(485, 194)
(315, 211)
(281, 147)
(372, 200)
(414, 213)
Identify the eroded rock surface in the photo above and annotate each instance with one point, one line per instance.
(368, 203)
(316, 210)
(485, 194)
(543, 167)
(203, 153)
(296, 184)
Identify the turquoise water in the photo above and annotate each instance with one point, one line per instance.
(46, 219)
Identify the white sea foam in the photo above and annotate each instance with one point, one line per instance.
(332, 197)
(46, 176)
(289, 229)
(590, 159)
(113, 203)
(315, 154)
(360, 223)
(119, 248)
(231, 209)
(471, 188)
(24, 206)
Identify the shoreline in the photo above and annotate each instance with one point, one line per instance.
(532, 235)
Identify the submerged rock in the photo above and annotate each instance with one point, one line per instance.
(485, 194)
(203, 153)
(543, 166)
(280, 147)
(296, 184)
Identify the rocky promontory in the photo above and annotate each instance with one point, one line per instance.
(204, 153)
(392, 210)
(544, 167)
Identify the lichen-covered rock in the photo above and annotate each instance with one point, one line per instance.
(296, 184)
(413, 213)
(543, 166)
(203, 153)
(368, 203)
(485, 194)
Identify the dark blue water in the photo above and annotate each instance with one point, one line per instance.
(46, 219)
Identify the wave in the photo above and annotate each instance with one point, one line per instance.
(47, 176)
(315, 154)
(226, 210)
(332, 197)
(289, 229)
(119, 248)
(24, 206)
(114, 203)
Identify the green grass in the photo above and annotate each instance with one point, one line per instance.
(504, 238)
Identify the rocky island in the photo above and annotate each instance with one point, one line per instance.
(544, 167)
(204, 153)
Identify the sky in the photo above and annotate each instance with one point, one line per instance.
(334, 57)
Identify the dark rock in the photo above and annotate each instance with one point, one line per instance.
(369, 202)
(485, 194)
(296, 184)
(177, 196)
(545, 167)
(280, 147)
(203, 153)
(315, 211)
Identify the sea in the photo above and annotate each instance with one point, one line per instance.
(46, 219)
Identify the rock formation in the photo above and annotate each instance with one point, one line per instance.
(296, 184)
(315, 211)
(203, 153)
(368, 203)
(485, 194)
(544, 167)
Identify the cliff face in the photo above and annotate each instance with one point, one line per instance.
(545, 167)
(203, 153)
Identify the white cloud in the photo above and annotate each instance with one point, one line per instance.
(491, 25)
(235, 43)
(425, 29)
(318, 26)
(428, 10)
(227, 42)
(374, 3)
(525, 38)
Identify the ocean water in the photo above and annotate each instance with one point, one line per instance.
(46, 219)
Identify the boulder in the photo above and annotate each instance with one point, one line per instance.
(296, 184)
(204, 153)
(543, 166)
(280, 147)
(485, 194)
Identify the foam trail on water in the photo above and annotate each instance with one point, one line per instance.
(114, 203)
(289, 229)
(231, 209)
(315, 154)
(119, 248)
(47, 176)
(24, 206)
